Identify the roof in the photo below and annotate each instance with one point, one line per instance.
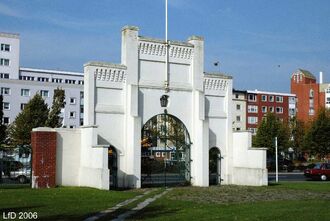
(217, 75)
(50, 71)
(307, 74)
(270, 93)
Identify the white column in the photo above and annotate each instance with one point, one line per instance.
(200, 140)
(197, 65)
(129, 52)
(89, 94)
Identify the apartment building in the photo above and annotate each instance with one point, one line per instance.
(311, 96)
(239, 110)
(259, 103)
(18, 85)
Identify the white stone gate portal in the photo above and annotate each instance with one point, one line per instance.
(120, 98)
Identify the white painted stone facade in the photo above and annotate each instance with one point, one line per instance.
(120, 99)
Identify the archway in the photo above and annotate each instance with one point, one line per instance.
(214, 166)
(165, 152)
(112, 165)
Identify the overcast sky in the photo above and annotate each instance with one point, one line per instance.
(259, 42)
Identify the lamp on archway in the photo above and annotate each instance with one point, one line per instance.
(164, 100)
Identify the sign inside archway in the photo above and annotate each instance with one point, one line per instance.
(165, 152)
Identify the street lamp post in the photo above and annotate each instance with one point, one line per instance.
(164, 103)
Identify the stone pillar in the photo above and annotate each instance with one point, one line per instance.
(43, 142)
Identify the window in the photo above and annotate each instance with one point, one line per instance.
(252, 109)
(236, 96)
(253, 130)
(157, 154)
(328, 91)
(252, 97)
(5, 47)
(44, 93)
(72, 100)
(311, 111)
(6, 120)
(23, 106)
(328, 100)
(271, 98)
(271, 109)
(279, 110)
(5, 91)
(42, 79)
(25, 92)
(68, 81)
(26, 78)
(4, 62)
(72, 126)
(279, 99)
(263, 98)
(264, 109)
(238, 107)
(81, 82)
(57, 80)
(252, 120)
(238, 128)
(81, 94)
(238, 118)
(73, 114)
(292, 99)
(81, 122)
(6, 106)
(4, 75)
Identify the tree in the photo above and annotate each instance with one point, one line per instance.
(298, 131)
(272, 127)
(2, 126)
(54, 119)
(318, 135)
(34, 115)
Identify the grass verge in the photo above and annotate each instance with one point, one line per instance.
(63, 203)
(285, 201)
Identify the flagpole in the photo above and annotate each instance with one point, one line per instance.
(166, 50)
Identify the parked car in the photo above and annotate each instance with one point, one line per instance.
(320, 171)
(283, 164)
(22, 175)
(7, 166)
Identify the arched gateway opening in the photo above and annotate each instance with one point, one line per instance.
(112, 165)
(214, 166)
(165, 152)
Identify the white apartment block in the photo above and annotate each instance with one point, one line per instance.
(239, 110)
(326, 89)
(18, 85)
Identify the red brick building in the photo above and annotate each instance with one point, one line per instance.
(311, 96)
(259, 103)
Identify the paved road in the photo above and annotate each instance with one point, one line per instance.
(287, 176)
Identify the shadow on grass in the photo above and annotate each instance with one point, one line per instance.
(153, 212)
(15, 186)
(274, 184)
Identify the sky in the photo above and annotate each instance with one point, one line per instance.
(258, 42)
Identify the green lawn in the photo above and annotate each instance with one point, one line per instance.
(64, 203)
(286, 201)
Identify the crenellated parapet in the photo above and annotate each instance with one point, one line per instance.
(155, 49)
(216, 82)
(108, 74)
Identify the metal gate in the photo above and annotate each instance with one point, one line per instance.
(165, 152)
(15, 165)
(214, 166)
